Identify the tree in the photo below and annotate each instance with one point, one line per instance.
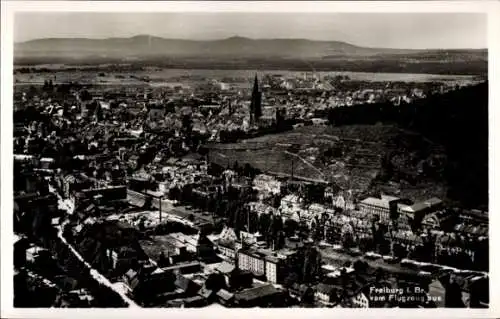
(312, 264)
(281, 240)
(236, 166)
(264, 223)
(254, 221)
(307, 298)
(162, 260)
(290, 227)
(276, 201)
(141, 225)
(303, 230)
(247, 170)
(400, 251)
(85, 96)
(239, 279)
(317, 230)
(187, 124)
(174, 193)
(366, 244)
(291, 279)
(347, 236)
(453, 295)
(278, 224)
(360, 266)
(429, 246)
(215, 282)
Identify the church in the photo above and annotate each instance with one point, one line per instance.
(255, 103)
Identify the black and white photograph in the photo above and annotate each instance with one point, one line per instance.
(238, 159)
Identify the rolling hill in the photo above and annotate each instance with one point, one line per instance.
(144, 45)
(246, 53)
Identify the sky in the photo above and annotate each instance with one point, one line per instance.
(383, 30)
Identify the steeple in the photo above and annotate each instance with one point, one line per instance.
(255, 85)
(255, 103)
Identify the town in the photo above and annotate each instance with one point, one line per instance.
(128, 195)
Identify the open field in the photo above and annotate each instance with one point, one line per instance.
(349, 156)
(185, 77)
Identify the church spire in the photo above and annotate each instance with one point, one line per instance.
(255, 103)
(255, 85)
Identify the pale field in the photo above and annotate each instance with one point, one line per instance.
(240, 78)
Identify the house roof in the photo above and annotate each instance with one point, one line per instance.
(224, 294)
(132, 278)
(325, 288)
(419, 206)
(225, 267)
(389, 198)
(300, 287)
(183, 265)
(205, 293)
(433, 201)
(376, 202)
(291, 198)
(193, 299)
(226, 243)
(256, 293)
(185, 283)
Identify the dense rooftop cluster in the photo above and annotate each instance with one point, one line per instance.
(118, 181)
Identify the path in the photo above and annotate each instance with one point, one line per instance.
(93, 272)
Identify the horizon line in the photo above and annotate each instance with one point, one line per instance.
(241, 37)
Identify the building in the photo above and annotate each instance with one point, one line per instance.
(274, 269)
(314, 211)
(110, 193)
(228, 234)
(261, 262)
(31, 207)
(156, 113)
(360, 300)
(261, 208)
(291, 201)
(343, 201)
(225, 298)
(251, 260)
(382, 207)
(188, 286)
(189, 302)
(255, 103)
(144, 284)
(319, 121)
(267, 183)
(121, 257)
(185, 268)
(160, 248)
(326, 293)
(198, 244)
(209, 108)
(226, 269)
(259, 296)
(474, 216)
(378, 206)
(47, 163)
(227, 248)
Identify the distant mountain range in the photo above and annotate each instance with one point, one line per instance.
(234, 47)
